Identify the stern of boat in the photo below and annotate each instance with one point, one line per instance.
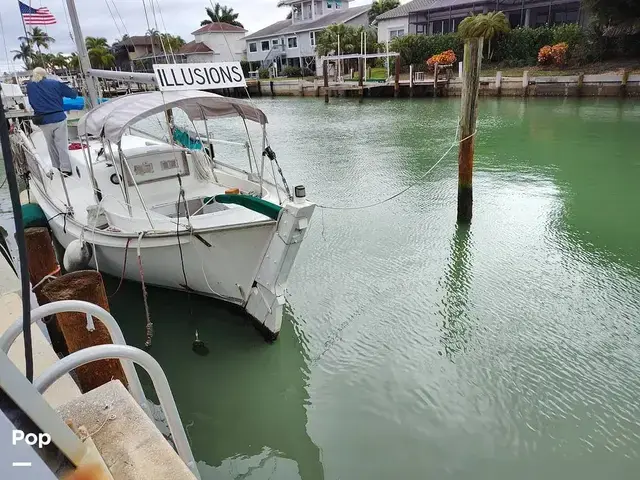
(266, 298)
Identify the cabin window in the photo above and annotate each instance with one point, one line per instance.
(265, 45)
(292, 42)
(253, 47)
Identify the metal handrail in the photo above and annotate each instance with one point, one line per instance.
(153, 368)
(91, 310)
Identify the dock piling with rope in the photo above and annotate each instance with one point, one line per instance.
(468, 117)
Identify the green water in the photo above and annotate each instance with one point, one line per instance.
(412, 349)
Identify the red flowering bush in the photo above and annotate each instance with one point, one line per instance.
(556, 55)
(445, 58)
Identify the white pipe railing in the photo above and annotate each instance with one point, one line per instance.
(153, 368)
(91, 310)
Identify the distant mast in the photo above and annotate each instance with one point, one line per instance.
(83, 55)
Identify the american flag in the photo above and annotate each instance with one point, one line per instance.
(36, 16)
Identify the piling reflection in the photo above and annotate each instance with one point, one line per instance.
(244, 405)
(455, 303)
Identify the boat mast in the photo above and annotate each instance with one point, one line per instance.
(83, 55)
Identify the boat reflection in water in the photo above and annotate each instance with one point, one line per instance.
(244, 405)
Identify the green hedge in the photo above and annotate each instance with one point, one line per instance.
(519, 47)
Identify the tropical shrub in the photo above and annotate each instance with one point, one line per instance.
(553, 55)
(263, 73)
(290, 71)
(413, 49)
(445, 58)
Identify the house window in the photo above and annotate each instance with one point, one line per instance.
(396, 33)
(567, 13)
(436, 27)
(253, 47)
(265, 45)
(292, 42)
(516, 19)
(338, 4)
(275, 42)
(421, 29)
(312, 38)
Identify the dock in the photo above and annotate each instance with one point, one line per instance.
(119, 435)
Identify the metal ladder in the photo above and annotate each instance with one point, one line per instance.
(119, 350)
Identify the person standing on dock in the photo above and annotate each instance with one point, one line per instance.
(46, 96)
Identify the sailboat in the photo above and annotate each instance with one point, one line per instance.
(166, 211)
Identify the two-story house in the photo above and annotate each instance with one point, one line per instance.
(292, 42)
(215, 42)
(432, 17)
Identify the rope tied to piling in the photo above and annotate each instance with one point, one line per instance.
(404, 190)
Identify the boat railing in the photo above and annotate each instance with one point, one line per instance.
(90, 310)
(152, 367)
(119, 350)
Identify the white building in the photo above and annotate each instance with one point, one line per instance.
(292, 42)
(215, 42)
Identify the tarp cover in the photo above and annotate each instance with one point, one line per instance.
(111, 119)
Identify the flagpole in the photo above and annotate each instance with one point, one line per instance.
(23, 24)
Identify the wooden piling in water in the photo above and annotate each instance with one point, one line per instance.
(525, 83)
(498, 84)
(85, 285)
(273, 93)
(42, 262)
(411, 81)
(396, 87)
(325, 76)
(468, 117)
(580, 84)
(623, 84)
(361, 77)
(435, 80)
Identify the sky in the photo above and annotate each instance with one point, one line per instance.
(181, 17)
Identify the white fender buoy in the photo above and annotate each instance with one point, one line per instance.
(77, 256)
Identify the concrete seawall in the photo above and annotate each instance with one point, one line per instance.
(610, 85)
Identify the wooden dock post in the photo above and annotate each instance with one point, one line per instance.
(361, 77)
(396, 87)
(273, 93)
(580, 84)
(468, 117)
(42, 262)
(525, 83)
(623, 84)
(325, 76)
(498, 83)
(435, 80)
(85, 285)
(411, 81)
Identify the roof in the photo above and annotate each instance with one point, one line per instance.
(111, 119)
(406, 9)
(140, 40)
(287, 26)
(218, 27)
(271, 30)
(422, 5)
(193, 47)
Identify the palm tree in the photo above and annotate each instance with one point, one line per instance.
(173, 43)
(24, 53)
(74, 62)
(101, 57)
(378, 7)
(59, 61)
(223, 15)
(96, 42)
(39, 38)
(486, 25)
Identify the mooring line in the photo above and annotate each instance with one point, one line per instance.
(362, 207)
